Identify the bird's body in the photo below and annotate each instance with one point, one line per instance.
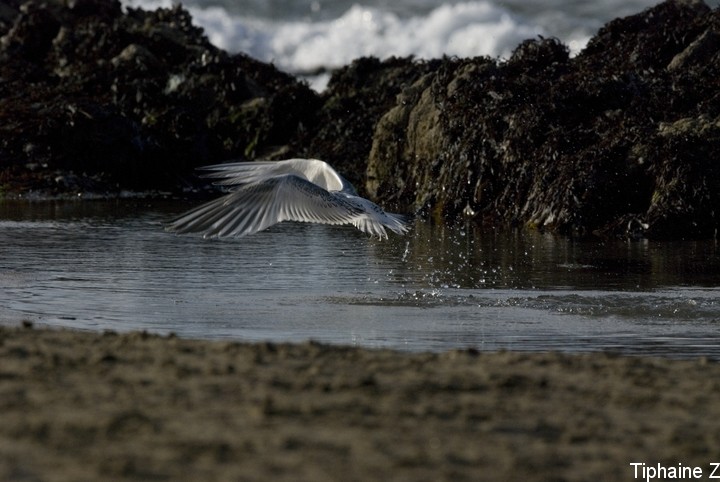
(264, 193)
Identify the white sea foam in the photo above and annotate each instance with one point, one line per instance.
(309, 36)
(311, 45)
(463, 29)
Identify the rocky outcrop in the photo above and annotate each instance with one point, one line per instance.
(130, 100)
(623, 139)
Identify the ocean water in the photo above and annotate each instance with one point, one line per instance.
(308, 37)
(110, 266)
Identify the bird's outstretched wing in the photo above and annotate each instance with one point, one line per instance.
(258, 205)
(314, 170)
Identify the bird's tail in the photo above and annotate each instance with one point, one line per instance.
(375, 225)
(398, 223)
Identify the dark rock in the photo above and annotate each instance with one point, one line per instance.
(355, 99)
(134, 100)
(621, 140)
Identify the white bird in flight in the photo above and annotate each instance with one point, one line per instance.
(264, 193)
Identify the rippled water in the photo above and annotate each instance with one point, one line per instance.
(110, 265)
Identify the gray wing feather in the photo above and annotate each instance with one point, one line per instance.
(257, 206)
(314, 170)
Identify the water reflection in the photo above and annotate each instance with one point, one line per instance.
(471, 257)
(110, 265)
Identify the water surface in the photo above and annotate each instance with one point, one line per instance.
(111, 266)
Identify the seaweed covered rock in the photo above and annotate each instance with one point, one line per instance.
(131, 99)
(623, 139)
(355, 99)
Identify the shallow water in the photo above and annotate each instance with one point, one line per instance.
(110, 266)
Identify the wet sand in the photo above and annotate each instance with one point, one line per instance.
(78, 406)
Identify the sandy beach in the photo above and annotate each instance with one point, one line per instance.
(82, 406)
